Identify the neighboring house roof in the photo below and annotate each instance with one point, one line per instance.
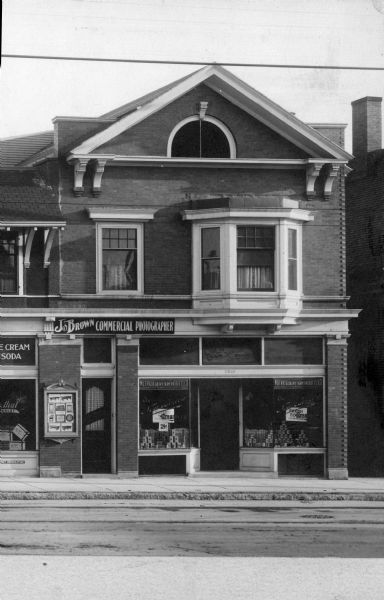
(235, 91)
(25, 198)
(15, 150)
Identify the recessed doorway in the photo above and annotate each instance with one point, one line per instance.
(96, 426)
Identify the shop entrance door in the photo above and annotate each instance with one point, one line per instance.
(219, 425)
(96, 425)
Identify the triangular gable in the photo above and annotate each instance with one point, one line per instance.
(234, 90)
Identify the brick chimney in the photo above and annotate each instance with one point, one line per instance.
(366, 125)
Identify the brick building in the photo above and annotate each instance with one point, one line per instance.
(174, 289)
(365, 262)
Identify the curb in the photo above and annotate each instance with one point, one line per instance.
(269, 496)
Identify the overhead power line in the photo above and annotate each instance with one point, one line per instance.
(192, 62)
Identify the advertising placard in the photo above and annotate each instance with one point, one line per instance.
(61, 411)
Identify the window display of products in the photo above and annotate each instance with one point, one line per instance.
(283, 413)
(155, 439)
(17, 415)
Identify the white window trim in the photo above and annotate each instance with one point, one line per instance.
(219, 124)
(140, 257)
(228, 257)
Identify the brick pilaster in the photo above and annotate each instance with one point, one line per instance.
(337, 433)
(59, 359)
(127, 401)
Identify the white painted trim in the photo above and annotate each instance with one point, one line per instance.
(238, 163)
(140, 257)
(221, 214)
(219, 124)
(130, 214)
(230, 87)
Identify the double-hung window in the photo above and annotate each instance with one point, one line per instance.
(210, 258)
(9, 252)
(120, 249)
(256, 258)
(119, 258)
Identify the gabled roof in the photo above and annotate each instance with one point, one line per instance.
(235, 91)
(26, 199)
(15, 150)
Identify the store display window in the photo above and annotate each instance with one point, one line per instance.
(164, 415)
(169, 351)
(17, 414)
(97, 350)
(293, 351)
(233, 351)
(283, 413)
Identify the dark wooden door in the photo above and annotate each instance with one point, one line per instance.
(219, 425)
(96, 425)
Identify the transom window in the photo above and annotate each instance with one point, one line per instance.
(255, 258)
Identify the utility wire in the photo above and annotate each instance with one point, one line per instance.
(190, 62)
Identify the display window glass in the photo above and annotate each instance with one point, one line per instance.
(234, 351)
(97, 350)
(293, 351)
(164, 419)
(17, 414)
(169, 351)
(279, 413)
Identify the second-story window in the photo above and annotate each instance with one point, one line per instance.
(9, 252)
(292, 259)
(255, 258)
(119, 258)
(210, 258)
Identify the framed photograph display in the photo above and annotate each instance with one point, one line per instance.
(60, 411)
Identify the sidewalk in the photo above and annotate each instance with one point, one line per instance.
(232, 487)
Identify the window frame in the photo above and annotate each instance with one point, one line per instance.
(139, 227)
(228, 224)
(209, 119)
(242, 248)
(18, 268)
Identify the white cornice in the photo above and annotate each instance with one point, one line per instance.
(31, 223)
(293, 214)
(119, 214)
(164, 161)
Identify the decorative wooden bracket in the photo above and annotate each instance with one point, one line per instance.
(313, 171)
(97, 176)
(28, 247)
(80, 166)
(48, 245)
(332, 171)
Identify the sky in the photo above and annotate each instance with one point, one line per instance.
(299, 32)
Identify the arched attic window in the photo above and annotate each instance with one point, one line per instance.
(201, 138)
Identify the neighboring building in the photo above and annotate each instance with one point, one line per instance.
(365, 262)
(174, 290)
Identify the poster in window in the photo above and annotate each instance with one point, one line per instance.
(60, 411)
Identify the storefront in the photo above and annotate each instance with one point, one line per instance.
(184, 404)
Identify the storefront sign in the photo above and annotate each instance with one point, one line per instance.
(164, 384)
(17, 351)
(111, 326)
(298, 383)
(161, 415)
(296, 414)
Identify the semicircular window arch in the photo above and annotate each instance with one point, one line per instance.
(201, 138)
